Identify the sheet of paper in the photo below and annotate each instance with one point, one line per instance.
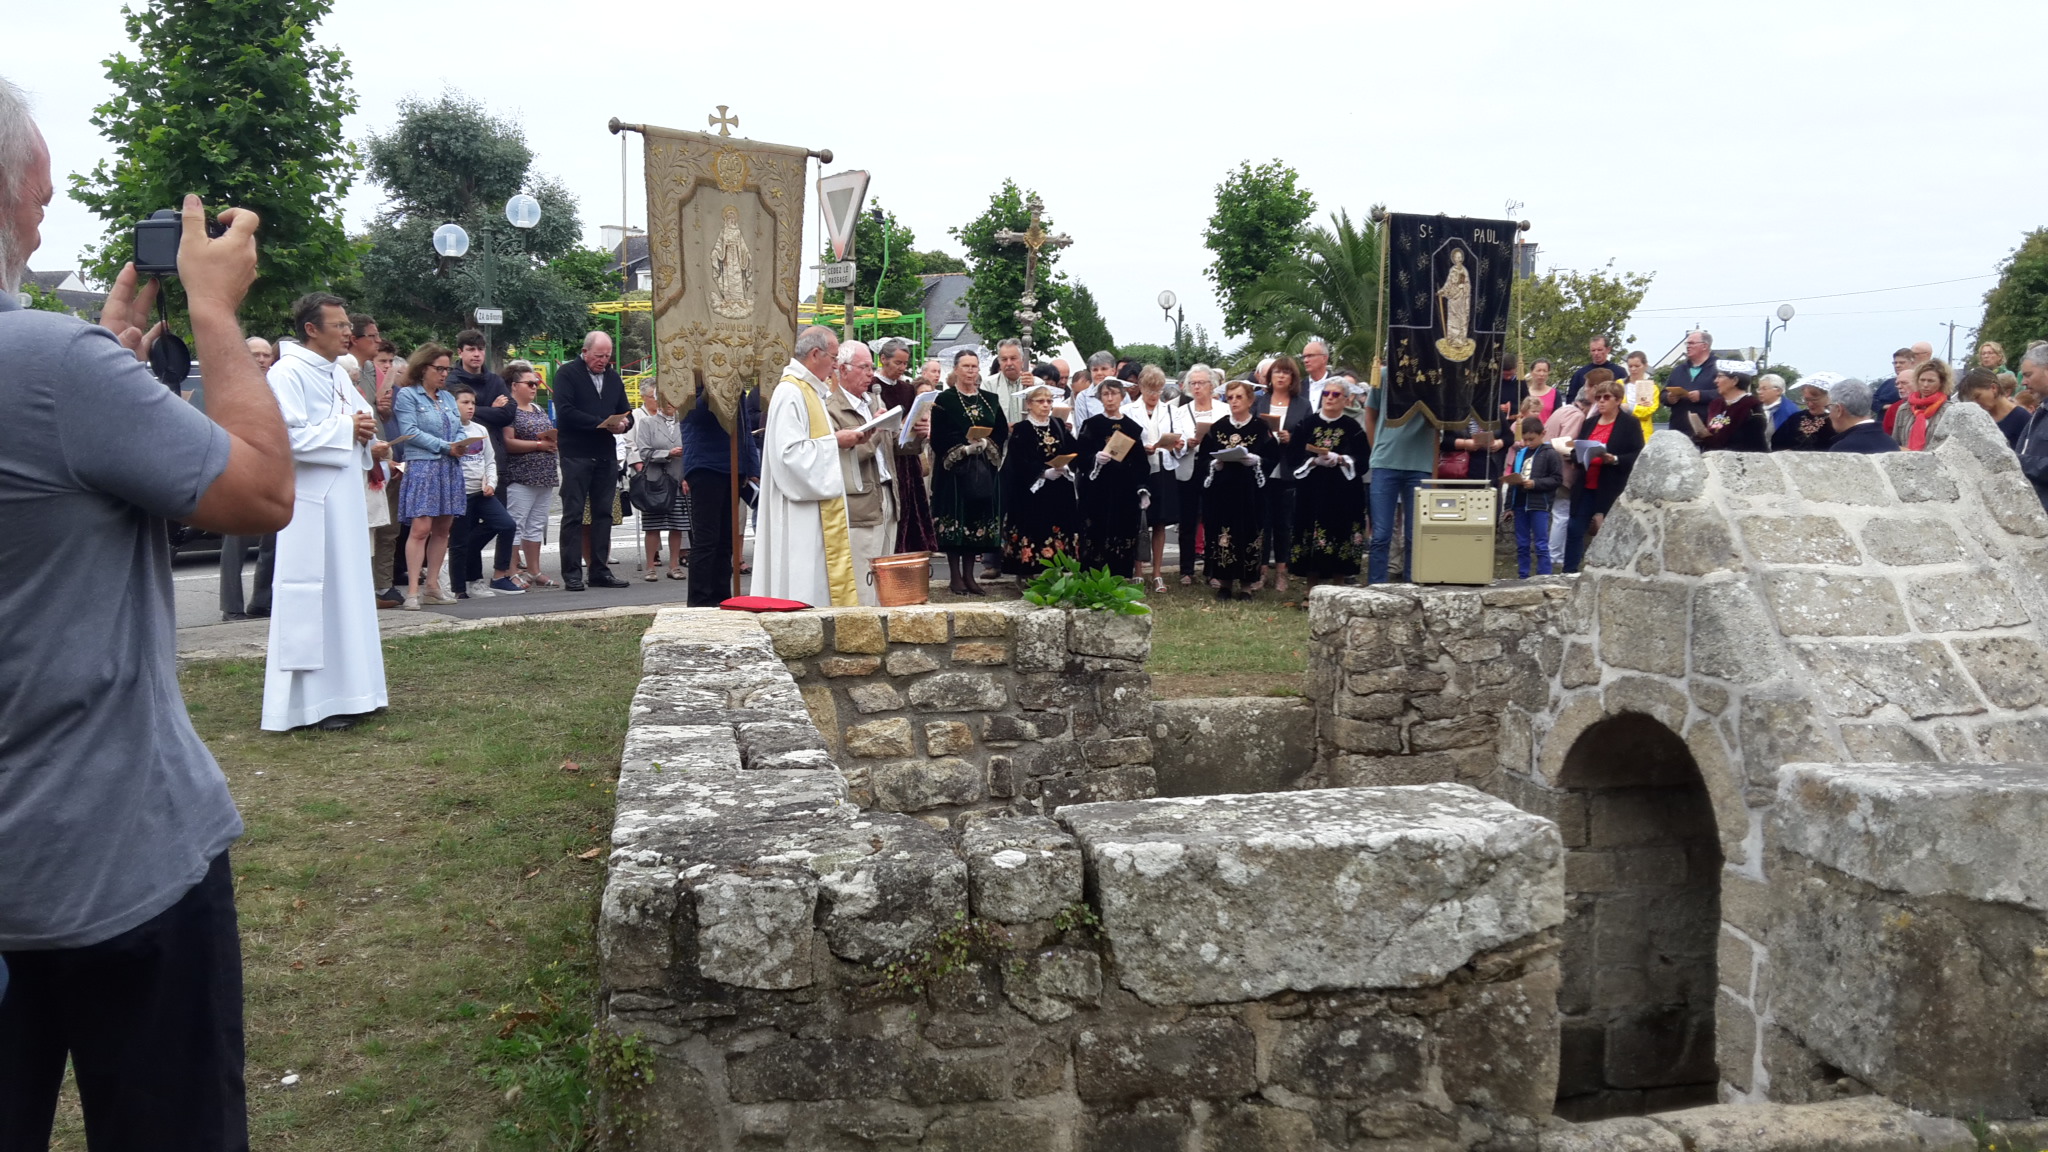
(918, 407)
(1119, 446)
(979, 432)
(1699, 426)
(1235, 454)
(1061, 460)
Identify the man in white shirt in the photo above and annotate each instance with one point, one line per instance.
(1007, 382)
(1101, 366)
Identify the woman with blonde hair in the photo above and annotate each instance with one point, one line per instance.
(1912, 419)
(431, 447)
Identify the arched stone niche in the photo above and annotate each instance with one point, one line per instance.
(1643, 908)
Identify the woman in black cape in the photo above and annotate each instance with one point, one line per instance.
(1329, 530)
(1233, 508)
(1111, 519)
(1041, 515)
(966, 500)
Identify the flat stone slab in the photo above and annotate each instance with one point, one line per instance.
(1223, 899)
(1865, 1124)
(1924, 829)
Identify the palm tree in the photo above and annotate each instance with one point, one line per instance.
(1329, 290)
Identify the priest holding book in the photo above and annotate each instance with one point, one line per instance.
(804, 550)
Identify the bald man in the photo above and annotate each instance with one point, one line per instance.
(591, 411)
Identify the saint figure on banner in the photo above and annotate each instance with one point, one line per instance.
(1456, 295)
(732, 271)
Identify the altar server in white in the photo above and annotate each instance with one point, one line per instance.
(803, 551)
(326, 663)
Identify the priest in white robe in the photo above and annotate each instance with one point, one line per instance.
(802, 550)
(326, 659)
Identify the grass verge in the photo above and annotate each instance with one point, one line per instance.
(417, 896)
(1202, 646)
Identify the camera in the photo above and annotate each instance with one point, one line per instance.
(156, 241)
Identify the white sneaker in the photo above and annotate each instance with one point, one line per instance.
(479, 589)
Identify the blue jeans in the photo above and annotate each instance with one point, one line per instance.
(1392, 489)
(1575, 534)
(1532, 529)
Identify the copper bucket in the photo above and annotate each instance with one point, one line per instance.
(905, 578)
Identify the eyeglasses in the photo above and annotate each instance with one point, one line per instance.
(439, 368)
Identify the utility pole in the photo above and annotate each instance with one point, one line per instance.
(1951, 326)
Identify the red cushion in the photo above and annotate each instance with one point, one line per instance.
(763, 604)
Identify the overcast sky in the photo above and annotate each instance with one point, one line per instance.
(1747, 154)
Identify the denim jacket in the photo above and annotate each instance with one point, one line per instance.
(431, 434)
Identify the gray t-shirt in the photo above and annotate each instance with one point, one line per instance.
(110, 807)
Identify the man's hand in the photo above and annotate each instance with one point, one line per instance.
(217, 273)
(487, 490)
(366, 427)
(848, 438)
(500, 402)
(379, 450)
(126, 312)
(923, 427)
(384, 395)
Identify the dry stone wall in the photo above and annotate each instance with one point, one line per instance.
(1002, 707)
(1367, 968)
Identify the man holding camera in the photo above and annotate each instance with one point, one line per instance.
(117, 918)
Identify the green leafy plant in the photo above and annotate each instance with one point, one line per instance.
(945, 952)
(1063, 583)
(1078, 916)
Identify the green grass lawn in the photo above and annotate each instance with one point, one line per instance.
(1202, 646)
(418, 895)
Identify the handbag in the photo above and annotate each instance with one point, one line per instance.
(652, 490)
(1454, 466)
(975, 478)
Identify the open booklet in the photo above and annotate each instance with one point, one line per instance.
(885, 419)
(918, 407)
(1119, 446)
(1235, 454)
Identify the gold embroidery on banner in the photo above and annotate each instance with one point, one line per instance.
(730, 170)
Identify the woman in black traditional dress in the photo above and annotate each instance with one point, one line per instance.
(1329, 530)
(1111, 519)
(966, 498)
(1233, 507)
(1041, 517)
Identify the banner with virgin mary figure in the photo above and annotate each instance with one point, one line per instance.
(1447, 281)
(725, 231)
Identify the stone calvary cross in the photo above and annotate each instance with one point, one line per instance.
(1033, 239)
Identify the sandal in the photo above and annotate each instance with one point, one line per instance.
(651, 576)
(1159, 583)
(536, 580)
(1186, 580)
(678, 574)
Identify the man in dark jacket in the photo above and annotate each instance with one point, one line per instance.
(1690, 387)
(2033, 445)
(591, 411)
(1597, 351)
(1855, 430)
(707, 469)
(494, 406)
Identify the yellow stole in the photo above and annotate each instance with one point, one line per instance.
(831, 513)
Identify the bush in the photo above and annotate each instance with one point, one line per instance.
(1063, 583)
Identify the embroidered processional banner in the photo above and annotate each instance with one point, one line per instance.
(725, 238)
(1447, 285)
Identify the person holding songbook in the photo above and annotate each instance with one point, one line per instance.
(1329, 534)
(1281, 408)
(1112, 496)
(968, 439)
(1231, 465)
(1735, 420)
(1198, 414)
(1041, 512)
(1605, 451)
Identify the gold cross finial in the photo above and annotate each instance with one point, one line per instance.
(724, 123)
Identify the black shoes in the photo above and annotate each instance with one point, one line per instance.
(602, 579)
(573, 583)
(337, 723)
(231, 617)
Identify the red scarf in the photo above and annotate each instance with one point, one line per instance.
(1924, 408)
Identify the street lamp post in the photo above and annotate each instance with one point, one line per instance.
(1167, 303)
(1785, 313)
(451, 242)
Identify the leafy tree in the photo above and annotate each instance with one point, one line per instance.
(2016, 308)
(1085, 326)
(1258, 213)
(902, 290)
(1193, 347)
(935, 262)
(1561, 311)
(448, 160)
(998, 270)
(41, 299)
(1328, 288)
(589, 271)
(1790, 374)
(229, 99)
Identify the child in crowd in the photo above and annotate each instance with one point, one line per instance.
(1535, 471)
(485, 517)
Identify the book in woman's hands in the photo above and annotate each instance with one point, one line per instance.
(1699, 426)
(1235, 454)
(1272, 419)
(979, 432)
(1061, 460)
(1119, 446)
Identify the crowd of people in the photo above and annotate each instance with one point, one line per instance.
(1297, 471)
